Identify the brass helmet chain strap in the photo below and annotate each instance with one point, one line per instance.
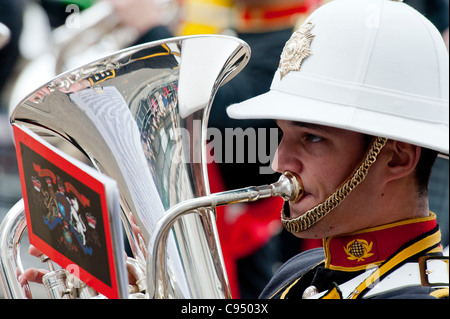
(315, 214)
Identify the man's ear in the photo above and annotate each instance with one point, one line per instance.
(402, 160)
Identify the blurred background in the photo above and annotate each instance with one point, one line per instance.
(40, 39)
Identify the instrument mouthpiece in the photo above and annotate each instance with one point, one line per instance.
(295, 189)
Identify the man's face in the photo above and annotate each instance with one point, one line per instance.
(323, 157)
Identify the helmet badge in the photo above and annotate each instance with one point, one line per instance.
(296, 49)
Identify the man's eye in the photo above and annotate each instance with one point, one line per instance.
(314, 138)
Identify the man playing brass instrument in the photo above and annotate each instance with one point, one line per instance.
(361, 96)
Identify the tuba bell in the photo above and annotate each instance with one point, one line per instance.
(140, 116)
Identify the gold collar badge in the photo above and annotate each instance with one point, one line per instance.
(358, 249)
(296, 49)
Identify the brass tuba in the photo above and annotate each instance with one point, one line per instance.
(148, 133)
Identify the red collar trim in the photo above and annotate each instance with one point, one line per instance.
(356, 251)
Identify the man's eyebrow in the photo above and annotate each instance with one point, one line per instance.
(317, 127)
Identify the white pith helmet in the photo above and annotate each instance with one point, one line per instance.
(371, 66)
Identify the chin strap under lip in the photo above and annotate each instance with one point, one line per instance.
(315, 214)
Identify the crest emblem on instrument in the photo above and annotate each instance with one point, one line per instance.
(296, 49)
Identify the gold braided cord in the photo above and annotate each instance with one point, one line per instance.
(315, 214)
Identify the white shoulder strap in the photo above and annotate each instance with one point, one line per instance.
(429, 271)
(432, 272)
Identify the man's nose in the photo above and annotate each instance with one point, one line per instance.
(285, 159)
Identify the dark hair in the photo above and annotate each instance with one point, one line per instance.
(423, 169)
